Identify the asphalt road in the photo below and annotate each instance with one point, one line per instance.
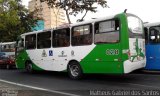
(59, 84)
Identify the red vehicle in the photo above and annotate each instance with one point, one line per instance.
(3, 60)
(10, 62)
(7, 61)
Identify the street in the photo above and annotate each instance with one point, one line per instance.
(60, 84)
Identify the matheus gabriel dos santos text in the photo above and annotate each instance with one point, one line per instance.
(125, 92)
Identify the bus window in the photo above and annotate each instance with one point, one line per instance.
(82, 35)
(44, 40)
(61, 37)
(154, 34)
(30, 41)
(135, 27)
(107, 31)
(146, 35)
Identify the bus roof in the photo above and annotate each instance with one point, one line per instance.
(34, 32)
(151, 24)
(94, 20)
(100, 19)
(76, 24)
(5, 43)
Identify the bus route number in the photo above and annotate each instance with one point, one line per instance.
(112, 51)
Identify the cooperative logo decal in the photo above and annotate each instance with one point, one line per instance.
(44, 54)
(62, 54)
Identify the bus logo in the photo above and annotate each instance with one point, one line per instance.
(72, 53)
(62, 54)
(44, 53)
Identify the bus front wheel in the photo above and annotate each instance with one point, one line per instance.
(74, 70)
(29, 67)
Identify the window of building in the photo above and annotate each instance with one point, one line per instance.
(44, 40)
(107, 31)
(82, 35)
(61, 37)
(30, 41)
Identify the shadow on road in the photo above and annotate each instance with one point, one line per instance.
(86, 77)
(134, 76)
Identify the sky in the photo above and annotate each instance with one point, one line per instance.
(147, 10)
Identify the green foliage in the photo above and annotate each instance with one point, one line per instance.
(74, 7)
(14, 20)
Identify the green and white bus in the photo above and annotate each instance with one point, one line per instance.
(113, 45)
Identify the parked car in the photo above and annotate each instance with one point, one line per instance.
(7, 61)
(3, 60)
(10, 62)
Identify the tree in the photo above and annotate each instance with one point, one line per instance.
(74, 7)
(15, 19)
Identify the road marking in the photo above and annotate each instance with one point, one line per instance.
(38, 88)
(141, 85)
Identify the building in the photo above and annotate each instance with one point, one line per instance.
(52, 17)
(39, 26)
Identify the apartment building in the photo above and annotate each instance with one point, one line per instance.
(52, 17)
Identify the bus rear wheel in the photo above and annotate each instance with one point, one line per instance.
(29, 67)
(74, 70)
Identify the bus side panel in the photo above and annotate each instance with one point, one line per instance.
(51, 59)
(21, 59)
(153, 57)
(102, 67)
(99, 60)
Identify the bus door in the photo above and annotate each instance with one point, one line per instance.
(153, 48)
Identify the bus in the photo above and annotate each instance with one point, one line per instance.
(8, 48)
(152, 37)
(113, 45)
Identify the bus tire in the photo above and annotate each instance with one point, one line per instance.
(29, 67)
(74, 70)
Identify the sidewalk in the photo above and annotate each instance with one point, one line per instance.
(8, 90)
(13, 90)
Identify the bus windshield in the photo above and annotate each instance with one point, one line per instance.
(154, 36)
(135, 26)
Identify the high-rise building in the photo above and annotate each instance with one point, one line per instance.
(53, 17)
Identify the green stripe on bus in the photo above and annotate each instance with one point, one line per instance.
(22, 58)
